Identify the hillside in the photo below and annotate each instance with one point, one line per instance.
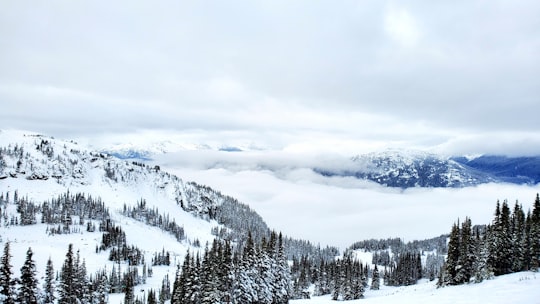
(54, 193)
(513, 288)
(133, 224)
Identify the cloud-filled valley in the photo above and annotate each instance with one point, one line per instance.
(338, 210)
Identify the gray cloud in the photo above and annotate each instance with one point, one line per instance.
(281, 73)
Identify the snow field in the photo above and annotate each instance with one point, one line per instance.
(521, 287)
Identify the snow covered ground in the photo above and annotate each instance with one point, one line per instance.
(522, 287)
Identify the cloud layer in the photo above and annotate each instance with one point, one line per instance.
(340, 211)
(325, 74)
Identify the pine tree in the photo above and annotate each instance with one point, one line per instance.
(375, 280)
(48, 285)
(518, 234)
(245, 290)
(481, 268)
(452, 259)
(526, 242)
(28, 291)
(337, 282)
(501, 241)
(535, 234)
(181, 282)
(129, 296)
(283, 276)
(265, 277)
(67, 292)
(225, 273)
(81, 281)
(151, 299)
(466, 253)
(165, 290)
(7, 282)
(209, 278)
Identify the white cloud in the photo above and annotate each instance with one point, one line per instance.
(341, 76)
(333, 212)
(401, 26)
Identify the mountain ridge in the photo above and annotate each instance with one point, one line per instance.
(400, 168)
(406, 169)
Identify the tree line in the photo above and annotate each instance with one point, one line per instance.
(510, 243)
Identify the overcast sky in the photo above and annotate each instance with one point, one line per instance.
(454, 76)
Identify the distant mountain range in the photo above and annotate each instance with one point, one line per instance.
(405, 169)
(399, 168)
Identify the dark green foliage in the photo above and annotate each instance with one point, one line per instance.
(535, 234)
(407, 271)
(500, 258)
(375, 279)
(68, 277)
(28, 291)
(129, 296)
(507, 245)
(48, 285)
(259, 275)
(7, 282)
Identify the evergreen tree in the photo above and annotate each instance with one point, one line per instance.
(68, 280)
(452, 259)
(282, 276)
(375, 280)
(535, 234)
(501, 241)
(209, 278)
(225, 273)
(81, 281)
(181, 282)
(337, 282)
(129, 295)
(466, 253)
(151, 299)
(481, 268)
(48, 285)
(7, 282)
(518, 230)
(245, 290)
(165, 290)
(526, 243)
(28, 291)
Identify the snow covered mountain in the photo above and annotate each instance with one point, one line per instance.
(149, 150)
(391, 168)
(411, 169)
(54, 193)
(406, 169)
(517, 170)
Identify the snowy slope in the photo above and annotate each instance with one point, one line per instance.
(41, 168)
(519, 287)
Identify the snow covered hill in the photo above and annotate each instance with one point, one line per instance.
(37, 172)
(519, 287)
